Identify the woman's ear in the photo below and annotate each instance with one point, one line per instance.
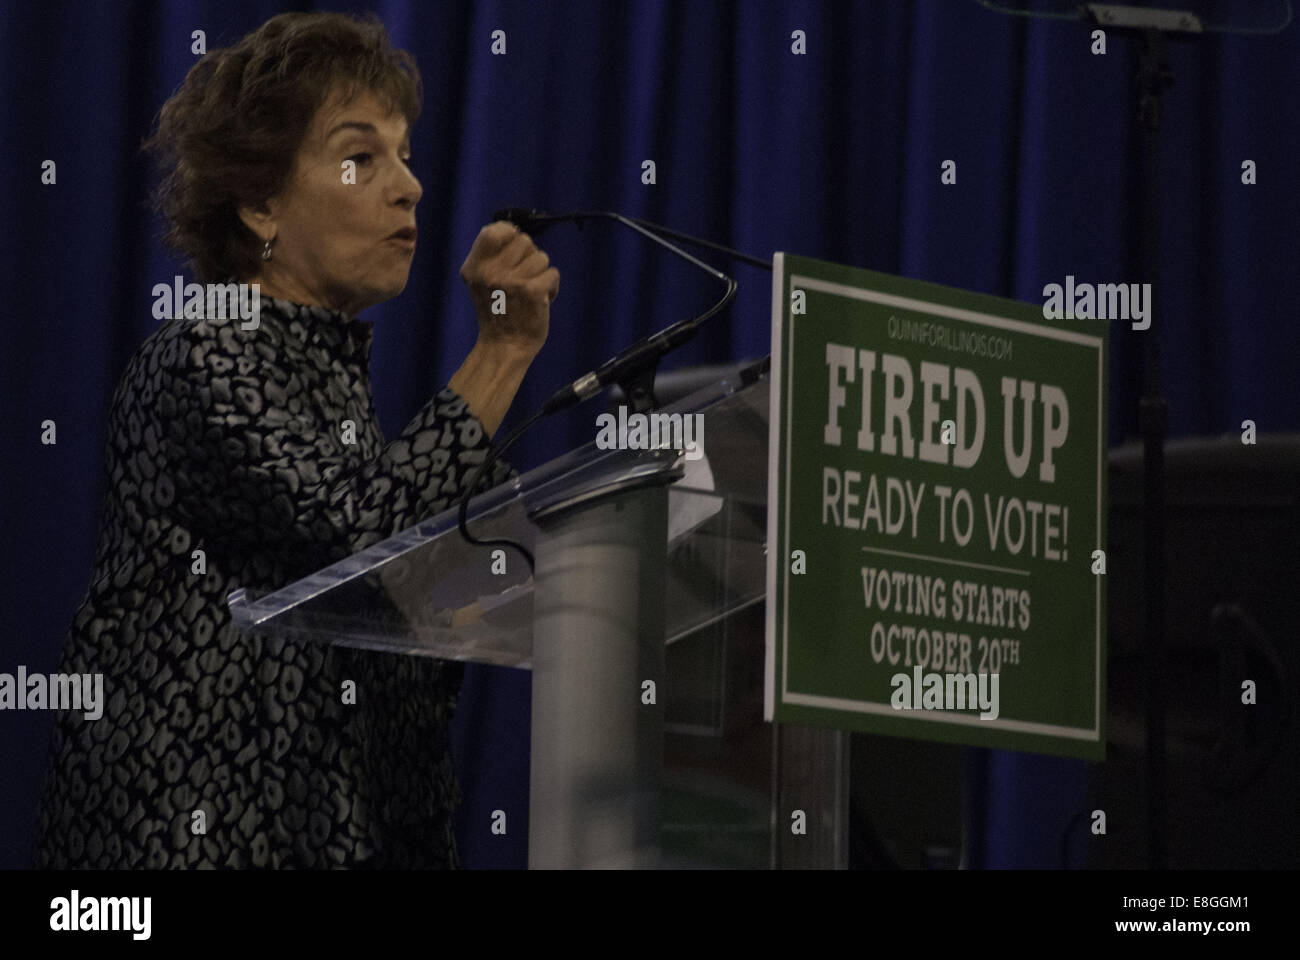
(260, 218)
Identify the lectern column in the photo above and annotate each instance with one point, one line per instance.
(598, 658)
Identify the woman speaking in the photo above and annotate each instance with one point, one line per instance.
(286, 162)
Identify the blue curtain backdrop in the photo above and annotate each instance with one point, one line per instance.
(834, 154)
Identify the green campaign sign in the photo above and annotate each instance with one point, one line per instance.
(936, 501)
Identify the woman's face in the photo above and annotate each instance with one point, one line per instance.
(333, 226)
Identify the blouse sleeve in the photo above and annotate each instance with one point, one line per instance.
(250, 461)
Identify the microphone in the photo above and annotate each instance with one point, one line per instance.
(636, 363)
(633, 367)
(530, 220)
(533, 221)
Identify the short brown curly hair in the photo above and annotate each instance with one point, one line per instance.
(229, 135)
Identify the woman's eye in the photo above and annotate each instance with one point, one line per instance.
(360, 158)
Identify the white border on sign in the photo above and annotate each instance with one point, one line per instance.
(774, 438)
(774, 450)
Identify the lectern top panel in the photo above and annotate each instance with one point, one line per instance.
(425, 591)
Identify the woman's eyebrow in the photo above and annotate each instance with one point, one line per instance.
(363, 127)
(352, 124)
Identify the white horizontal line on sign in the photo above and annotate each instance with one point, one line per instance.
(955, 563)
(955, 313)
(940, 716)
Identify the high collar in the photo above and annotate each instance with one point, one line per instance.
(343, 336)
(334, 330)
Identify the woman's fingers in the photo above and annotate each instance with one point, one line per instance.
(505, 261)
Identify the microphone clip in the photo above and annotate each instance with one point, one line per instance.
(639, 387)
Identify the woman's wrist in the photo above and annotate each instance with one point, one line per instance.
(508, 353)
(490, 377)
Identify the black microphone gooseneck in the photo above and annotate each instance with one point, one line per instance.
(633, 368)
(533, 221)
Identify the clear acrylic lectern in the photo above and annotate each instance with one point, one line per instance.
(650, 567)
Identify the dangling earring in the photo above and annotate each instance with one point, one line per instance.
(266, 251)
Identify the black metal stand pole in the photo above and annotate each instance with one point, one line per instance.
(1153, 78)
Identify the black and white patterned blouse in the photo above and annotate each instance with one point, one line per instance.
(232, 442)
